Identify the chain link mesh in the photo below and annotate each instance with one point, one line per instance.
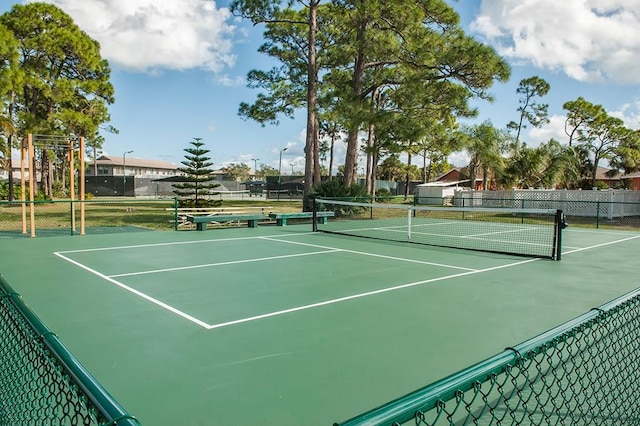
(36, 386)
(585, 372)
(62, 217)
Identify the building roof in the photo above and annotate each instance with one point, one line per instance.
(635, 175)
(453, 175)
(444, 183)
(134, 162)
(601, 174)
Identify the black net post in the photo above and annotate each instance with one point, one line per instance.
(560, 224)
(314, 220)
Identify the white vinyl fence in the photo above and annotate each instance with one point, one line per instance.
(610, 204)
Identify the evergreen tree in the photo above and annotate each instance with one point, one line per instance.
(194, 190)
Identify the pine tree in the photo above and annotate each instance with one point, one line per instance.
(193, 190)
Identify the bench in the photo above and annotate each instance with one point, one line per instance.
(281, 218)
(201, 221)
(183, 213)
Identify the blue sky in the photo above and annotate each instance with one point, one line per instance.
(178, 68)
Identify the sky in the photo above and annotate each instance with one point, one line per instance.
(179, 71)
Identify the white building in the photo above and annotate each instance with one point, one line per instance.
(107, 165)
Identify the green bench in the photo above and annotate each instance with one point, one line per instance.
(281, 218)
(201, 221)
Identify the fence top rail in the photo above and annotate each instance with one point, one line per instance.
(98, 395)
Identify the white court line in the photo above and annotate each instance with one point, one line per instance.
(360, 295)
(395, 288)
(464, 237)
(364, 253)
(176, 243)
(601, 245)
(138, 293)
(319, 304)
(232, 262)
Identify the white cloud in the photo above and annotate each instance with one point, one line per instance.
(554, 129)
(589, 40)
(629, 113)
(151, 35)
(226, 80)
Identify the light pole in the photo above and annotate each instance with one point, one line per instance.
(255, 167)
(280, 171)
(124, 172)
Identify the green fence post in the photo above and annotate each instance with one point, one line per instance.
(71, 216)
(175, 213)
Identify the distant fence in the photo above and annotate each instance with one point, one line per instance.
(584, 372)
(41, 382)
(605, 204)
(118, 186)
(62, 217)
(589, 208)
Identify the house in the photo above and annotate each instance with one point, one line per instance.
(107, 165)
(611, 181)
(635, 180)
(458, 175)
(119, 175)
(437, 192)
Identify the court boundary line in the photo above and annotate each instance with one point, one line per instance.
(177, 243)
(317, 304)
(136, 292)
(364, 253)
(361, 295)
(231, 262)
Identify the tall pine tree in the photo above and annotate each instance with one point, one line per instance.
(194, 189)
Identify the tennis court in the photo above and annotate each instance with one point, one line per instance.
(281, 325)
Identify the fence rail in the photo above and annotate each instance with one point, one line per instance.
(62, 217)
(587, 213)
(41, 382)
(584, 372)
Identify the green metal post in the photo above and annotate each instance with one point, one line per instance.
(175, 213)
(71, 216)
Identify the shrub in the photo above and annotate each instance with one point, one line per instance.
(336, 189)
(383, 195)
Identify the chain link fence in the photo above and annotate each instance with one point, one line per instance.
(53, 218)
(584, 372)
(41, 382)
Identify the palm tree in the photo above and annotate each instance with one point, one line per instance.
(485, 145)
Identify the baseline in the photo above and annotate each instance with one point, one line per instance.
(136, 292)
(318, 304)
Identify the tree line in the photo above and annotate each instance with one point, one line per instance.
(53, 82)
(400, 76)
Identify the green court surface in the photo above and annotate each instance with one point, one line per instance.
(281, 326)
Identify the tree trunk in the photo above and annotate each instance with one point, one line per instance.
(424, 166)
(369, 172)
(317, 177)
(408, 179)
(333, 140)
(10, 149)
(351, 160)
(311, 143)
(374, 171)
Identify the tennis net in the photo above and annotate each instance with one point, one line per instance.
(525, 232)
